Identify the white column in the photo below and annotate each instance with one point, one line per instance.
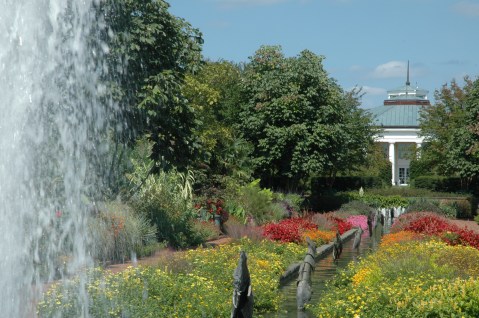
(392, 158)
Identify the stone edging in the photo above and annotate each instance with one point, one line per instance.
(321, 252)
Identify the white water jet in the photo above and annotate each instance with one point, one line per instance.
(52, 139)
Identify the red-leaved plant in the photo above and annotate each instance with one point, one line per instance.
(432, 224)
(288, 230)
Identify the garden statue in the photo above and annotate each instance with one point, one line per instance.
(303, 292)
(370, 223)
(337, 246)
(357, 238)
(242, 293)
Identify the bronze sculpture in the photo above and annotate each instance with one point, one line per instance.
(242, 292)
(357, 238)
(337, 246)
(303, 291)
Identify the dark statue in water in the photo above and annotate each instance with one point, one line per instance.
(357, 238)
(304, 291)
(242, 293)
(337, 246)
(370, 223)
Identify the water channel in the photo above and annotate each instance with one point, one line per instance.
(326, 269)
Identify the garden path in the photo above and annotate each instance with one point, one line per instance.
(160, 255)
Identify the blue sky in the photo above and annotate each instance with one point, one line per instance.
(366, 43)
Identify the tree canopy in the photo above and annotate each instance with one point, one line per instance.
(298, 118)
(450, 130)
(150, 53)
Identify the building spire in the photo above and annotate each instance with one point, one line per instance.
(407, 80)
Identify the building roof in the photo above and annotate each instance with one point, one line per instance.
(407, 92)
(403, 107)
(401, 116)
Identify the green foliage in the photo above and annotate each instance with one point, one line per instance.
(203, 289)
(119, 233)
(379, 201)
(299, 120)
(424, 205)
(206, 230)
(161, 199)
(412, 192)
(440, 184)
(165, 198)
(420, 167)
(345, 183)
(327, 201)
(291, 201)
(214, 93)
(150, 51)
(450, 207)
(356, 208)
(376, 164)
(450, 131)
(258, 203)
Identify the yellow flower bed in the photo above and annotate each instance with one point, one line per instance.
(408, 279)
(203, 289)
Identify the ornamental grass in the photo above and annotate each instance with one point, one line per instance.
(426, 278)
(203, 290)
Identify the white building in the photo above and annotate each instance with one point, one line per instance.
(399, 119)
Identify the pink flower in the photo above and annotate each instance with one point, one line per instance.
(358, 221)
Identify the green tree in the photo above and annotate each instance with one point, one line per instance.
(449, 130)
(376, 164)
(150, 52)
(299, 120)
(214, 93)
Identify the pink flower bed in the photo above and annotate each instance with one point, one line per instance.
(358, 221)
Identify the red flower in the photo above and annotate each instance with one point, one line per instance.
(288, 230)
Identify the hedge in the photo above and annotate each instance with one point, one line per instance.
(345, 183)
(440, 184)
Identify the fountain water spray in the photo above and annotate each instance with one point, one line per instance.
(53, 140)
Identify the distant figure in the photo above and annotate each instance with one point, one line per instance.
(357, 238)
(242, 292)
(304, 291)
(337, 246)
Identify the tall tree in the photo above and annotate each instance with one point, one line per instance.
(150, 53)
(214, 93)
(449, 130)
(298, 118)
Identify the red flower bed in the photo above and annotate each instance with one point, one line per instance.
(431, 224)
(288, 230)
(342, 225)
